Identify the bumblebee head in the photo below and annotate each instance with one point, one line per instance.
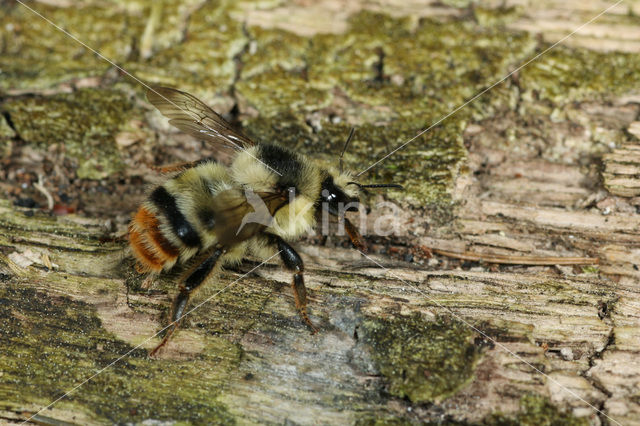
(335, 197)
(339, 193)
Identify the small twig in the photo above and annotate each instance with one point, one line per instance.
(40, 187)
(518, 260)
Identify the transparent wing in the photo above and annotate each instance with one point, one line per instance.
(240, 214)
(192, 116)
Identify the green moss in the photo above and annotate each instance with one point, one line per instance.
(565, 75)
(193, 50)
(286, 130)
(462, 4)
(199, 61)
(51, 344)
(408, 75)
(536, 410)
(6, 134)
(390, 77)
(501, 15)
(376, 420)
(278, 90)
(273, 49)
(274, 76)
(422, 360)
(85, 122)
(36, 55)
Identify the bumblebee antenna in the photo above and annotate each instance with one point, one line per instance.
(383, 185)
(353, 130)
(376, 185)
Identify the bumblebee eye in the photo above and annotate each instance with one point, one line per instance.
(327, 196)
(334, 200)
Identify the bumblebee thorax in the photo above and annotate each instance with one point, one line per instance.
(272, 167)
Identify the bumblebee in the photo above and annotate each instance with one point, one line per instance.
(210, 216)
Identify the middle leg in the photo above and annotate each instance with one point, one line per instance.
(293, 262)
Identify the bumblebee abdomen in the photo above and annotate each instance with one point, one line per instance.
(167, 204)
(176, 222)
(151, 248)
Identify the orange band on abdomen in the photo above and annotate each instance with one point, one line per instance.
(151, 225)
(143, 253)
(151, 248)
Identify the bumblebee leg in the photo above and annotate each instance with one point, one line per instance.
(354, 236)
(196, 277)
(178, 167)
(293, 262)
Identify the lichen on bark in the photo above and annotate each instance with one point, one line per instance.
(391, 349)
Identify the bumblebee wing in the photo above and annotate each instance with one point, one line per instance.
(239, 215)
(192, 116)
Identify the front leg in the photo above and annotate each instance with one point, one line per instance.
(354, 235)
(293, 262)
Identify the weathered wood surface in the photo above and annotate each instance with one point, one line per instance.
(549, 170)
(551, 321)
(551, 19)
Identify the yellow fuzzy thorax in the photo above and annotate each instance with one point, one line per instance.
(294, 219)
(248, 170)
(298, 217)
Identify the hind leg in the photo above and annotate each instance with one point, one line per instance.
(196, 277)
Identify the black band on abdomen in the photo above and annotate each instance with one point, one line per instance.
(166, 203)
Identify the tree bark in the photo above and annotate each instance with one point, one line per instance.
(510, 295)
